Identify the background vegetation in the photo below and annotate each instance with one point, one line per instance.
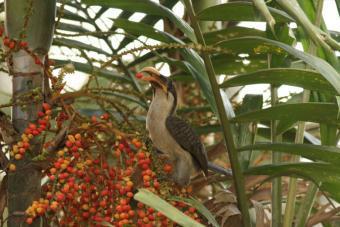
(282, 149)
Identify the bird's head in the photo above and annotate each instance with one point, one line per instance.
(160, 83)
(155, 78)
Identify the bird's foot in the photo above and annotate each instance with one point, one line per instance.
(161, 155)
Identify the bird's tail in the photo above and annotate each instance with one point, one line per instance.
(218, 169)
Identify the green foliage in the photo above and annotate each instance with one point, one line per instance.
(240, 53)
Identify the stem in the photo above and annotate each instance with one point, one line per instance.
(306, 205)
(290, 206)
(276, 159)
(291, 199)
(226, 125)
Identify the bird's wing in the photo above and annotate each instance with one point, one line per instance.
(188, 140)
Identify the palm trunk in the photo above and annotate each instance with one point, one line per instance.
(32, 21)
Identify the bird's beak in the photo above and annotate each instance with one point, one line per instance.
(153, 76)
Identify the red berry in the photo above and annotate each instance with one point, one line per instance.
(35, 132)
(37, 61)
(139, 75)
(141, 155)
(105, 116)
(74, 149)
(78, 143)
(23, 44)
(94, 119)
(11, 45)
(145, 166)
(68, 143)
(32, 126)
(6, 41)
(60, 197)
(40, 114)
(86, 215)
(192, 209)
(121, 146)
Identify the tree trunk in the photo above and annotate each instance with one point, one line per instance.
(31, 21)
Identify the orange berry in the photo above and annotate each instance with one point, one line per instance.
(40, 210)
(18, 156)
(46, 106)
(94, 119)
(117, 153)
(105, 116)
(141, 155)
(48, 112)
(29, 221)
(54, 207)
(167, 168)
(129, 183)
(12, 167)
(71, 138)
(53, 170)
(146, 178)
(131, 213)
(77, 136)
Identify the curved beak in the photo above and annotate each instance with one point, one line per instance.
(153, 76)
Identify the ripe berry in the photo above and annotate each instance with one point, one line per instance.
(37, 61)
(139, 75)
(29, 221)
(23, 44)
(167, 168)
(12, 167)
(6, 41)
(11, 45)
(46, 106)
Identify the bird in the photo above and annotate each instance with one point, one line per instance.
(172, 137)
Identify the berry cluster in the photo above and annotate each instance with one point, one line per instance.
(19, 149)
(94, 176)
(12, 44)
(16, 45)
(38, 208)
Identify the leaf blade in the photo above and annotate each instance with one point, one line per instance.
(239, 11)
(320, 65)
(152, 200)
(148, 7)
(307, 79)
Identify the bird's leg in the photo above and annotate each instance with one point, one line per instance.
(183, 169)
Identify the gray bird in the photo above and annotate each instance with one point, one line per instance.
(172, 136)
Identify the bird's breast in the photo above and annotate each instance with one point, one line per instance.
(158, 133)
(159, 110)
